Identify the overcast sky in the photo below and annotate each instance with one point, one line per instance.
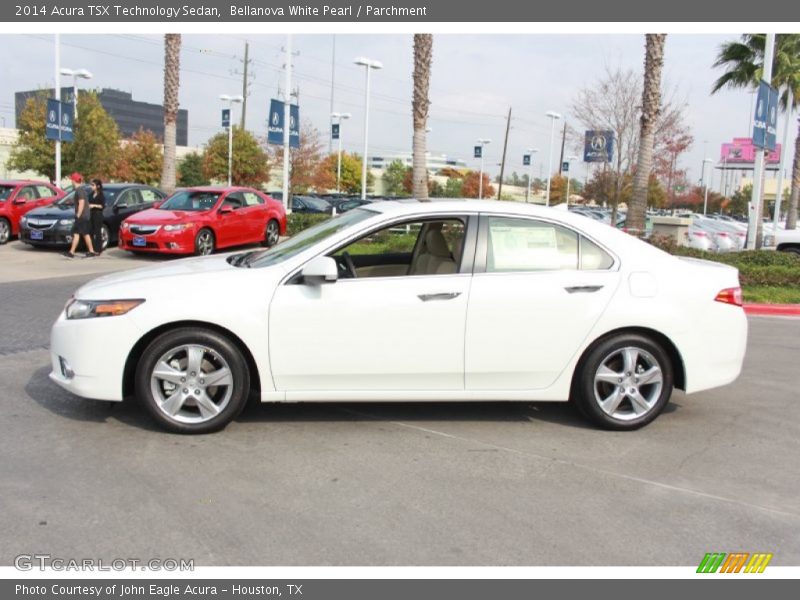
(475, 78)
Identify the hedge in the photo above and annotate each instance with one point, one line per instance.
(296, 222)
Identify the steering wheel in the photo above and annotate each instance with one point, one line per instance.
(348, 261)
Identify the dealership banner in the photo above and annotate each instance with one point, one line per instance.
(275, 124)
(398, 11)
(59, 120)
(598, 146)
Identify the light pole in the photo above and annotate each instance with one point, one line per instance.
(703, 176)
(482, 142)
(231, 100)
(531, 152)
(75, 74)
(569, 168)
(339, 117)
(553, 116)
(369, 65)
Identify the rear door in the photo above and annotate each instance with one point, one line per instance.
(255, 216)
(537, 291)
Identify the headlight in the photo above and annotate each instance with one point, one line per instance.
(66, 221)
(124, 225)
(87, 309)
(177, 227)
(769, 240)
(23, 221)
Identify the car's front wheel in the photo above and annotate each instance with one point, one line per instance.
(105, 237)
(624, 382)
(192, 380)
(204, 243)
(5, 231)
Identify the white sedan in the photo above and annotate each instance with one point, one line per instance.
(410, 301)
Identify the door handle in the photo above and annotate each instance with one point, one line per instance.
(583, 289)
(442, 296)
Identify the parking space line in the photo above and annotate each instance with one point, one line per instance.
(561, 461)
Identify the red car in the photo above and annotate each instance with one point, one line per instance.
(17, 197)
(200, 220)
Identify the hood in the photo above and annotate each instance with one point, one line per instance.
(51, 212)
(158, 216)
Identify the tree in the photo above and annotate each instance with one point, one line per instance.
(651, 107)
(394, 177)
(613, 102)
(172, 58)
(250, 165)
(351, 174)
(304, 161)
(744, 64)
(470, 185)
(92, 153)
(423, 53)
(190, 171)
(140, 159)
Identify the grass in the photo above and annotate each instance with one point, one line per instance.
(765, 294)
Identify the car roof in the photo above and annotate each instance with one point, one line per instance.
(219, 188)
(24, 182)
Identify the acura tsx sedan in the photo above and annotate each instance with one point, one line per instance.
(458, 300)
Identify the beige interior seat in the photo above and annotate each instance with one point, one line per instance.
(435, 257)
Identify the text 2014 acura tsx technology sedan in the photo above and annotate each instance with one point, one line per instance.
(440, 301)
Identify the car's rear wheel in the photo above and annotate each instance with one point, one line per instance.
(104, 237)
(272, 234)
(192, 380)
(5, 231)
(624, 382)
(204, 242)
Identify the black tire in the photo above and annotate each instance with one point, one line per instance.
(189, 418)
(204, 242)
(271, 234)
(792, 249)
(5, 231)
(651, 398)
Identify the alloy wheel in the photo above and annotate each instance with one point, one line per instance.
(273, 233)
(628, 383)
(5, 231)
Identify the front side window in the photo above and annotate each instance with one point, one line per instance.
(421, 247)
(28, 193)
(233, 200)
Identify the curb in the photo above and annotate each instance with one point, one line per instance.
(773, 310)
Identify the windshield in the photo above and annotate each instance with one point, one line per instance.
(5, 192)
(317, 203)
(189, 200)
(307, 238)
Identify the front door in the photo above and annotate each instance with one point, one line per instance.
(394, 321)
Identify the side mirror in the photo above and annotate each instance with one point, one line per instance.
(225, 210)
(121, 205)
(19, 200)
(320, 270)
(158, 203)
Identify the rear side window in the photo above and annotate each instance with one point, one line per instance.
(45, 192)
(530, 245)
(252, 199)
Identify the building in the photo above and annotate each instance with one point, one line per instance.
(433, 162)
(129, 114)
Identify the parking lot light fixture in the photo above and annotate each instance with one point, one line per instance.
(553, 116)
(339, 117)
(483, 142)
(231, 100)
(531, 152)
(705, 198)
(75, 74)
(368, 65)
(569, 164)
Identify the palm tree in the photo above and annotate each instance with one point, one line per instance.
(423, 53)
(172, 60)
(744, 63)
(651, 107)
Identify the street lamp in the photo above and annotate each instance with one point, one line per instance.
(569, 160)
(339, 117)
(553, 116)
(231, 100)
(75, 74)
(531, 152)
(482, 142)
(369, 65)
(705, 200)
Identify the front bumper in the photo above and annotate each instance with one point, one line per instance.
(58, 236)
(162, 242)
(96, 351)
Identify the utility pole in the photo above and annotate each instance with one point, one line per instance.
(333, 79)
(503, 162)
(245, 83)
(563, 142)
(287, 127)
(57, 94)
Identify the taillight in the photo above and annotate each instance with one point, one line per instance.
(699, 233)
(730, 296)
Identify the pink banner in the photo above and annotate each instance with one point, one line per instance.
(742, 150)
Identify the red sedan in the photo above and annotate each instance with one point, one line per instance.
(18, 197)
(200, 220)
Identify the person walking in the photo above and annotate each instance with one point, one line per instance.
(81, 228)
(96, 205)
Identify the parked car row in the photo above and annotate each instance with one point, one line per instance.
(140, 218)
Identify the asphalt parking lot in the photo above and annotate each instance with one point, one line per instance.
(381, 484)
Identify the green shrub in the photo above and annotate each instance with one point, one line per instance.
(297, 222)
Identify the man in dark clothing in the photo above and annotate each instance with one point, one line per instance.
(82, 227)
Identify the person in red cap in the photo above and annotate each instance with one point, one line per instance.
(82, 226)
